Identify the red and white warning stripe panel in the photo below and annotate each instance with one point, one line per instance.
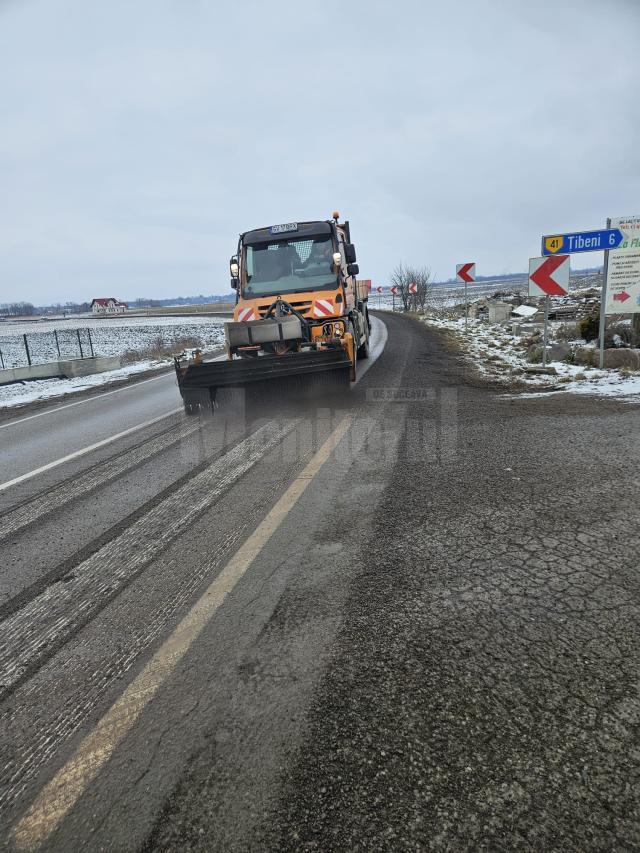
(323, 308)
(549, 276)
(246, 314)
(466, 272)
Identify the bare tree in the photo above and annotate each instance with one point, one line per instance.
(400, 279)
(403, 277)
(424, 282)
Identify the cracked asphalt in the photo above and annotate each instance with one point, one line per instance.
(438, 649)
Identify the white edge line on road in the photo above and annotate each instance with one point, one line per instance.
(163, 375)
(379, 335)
(66, 787)
(84, 450)
(128, 387)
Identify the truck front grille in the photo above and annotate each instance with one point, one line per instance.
(302, 307)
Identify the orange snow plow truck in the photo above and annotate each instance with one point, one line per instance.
(300, 318)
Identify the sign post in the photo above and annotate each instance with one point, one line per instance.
(466, 273)
(394, 290)
(545, 339)
(548, 277)
(603, 304)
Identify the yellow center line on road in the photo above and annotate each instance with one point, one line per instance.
(59, 796)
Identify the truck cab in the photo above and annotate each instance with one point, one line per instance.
(311, 266)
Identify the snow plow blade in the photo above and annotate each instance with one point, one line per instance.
(272, 374)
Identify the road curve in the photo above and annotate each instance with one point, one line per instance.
(406, 619)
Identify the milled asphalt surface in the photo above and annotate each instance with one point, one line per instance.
(438, 649)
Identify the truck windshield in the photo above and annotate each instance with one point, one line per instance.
(289, 266)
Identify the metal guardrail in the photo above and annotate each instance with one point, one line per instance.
(21, 350)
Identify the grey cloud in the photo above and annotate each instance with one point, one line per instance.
(138, 139)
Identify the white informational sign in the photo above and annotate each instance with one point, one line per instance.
(623, 272)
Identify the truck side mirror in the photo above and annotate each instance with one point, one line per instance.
(353, 269)
(350, 253)
(234, 269)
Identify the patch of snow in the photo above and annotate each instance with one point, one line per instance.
(601, 383)
(500, 355)
(525, 311)
(20, 393)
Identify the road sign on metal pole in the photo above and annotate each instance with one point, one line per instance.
(394, 290)
(549, 276)
(623, 275)
(621, 285)
(583, 241)
(466, 273)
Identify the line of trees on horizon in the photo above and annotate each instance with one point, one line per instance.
(27, 309)
(17, 309)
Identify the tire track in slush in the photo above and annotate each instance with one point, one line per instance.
(33, 634)
(44, 504)
(25, 749)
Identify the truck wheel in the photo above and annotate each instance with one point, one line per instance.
(352, 329)
(363, 351)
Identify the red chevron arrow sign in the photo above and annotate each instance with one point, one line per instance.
(549, 276)
(413, 287)
(466, 273)
(394, 289)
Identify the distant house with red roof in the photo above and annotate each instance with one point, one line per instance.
(108, 305)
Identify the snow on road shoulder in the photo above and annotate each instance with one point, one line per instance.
(501, 356)
(22, 393)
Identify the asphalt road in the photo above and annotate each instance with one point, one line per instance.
(30, 442)
(405, 620)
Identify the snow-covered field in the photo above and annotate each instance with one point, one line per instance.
(146, 345)
(500, 355)
(109, 337)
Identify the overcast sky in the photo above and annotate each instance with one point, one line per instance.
(137, 139)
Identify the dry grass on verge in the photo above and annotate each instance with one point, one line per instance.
(160, 349)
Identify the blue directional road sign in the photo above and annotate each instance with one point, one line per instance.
(582, 241)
